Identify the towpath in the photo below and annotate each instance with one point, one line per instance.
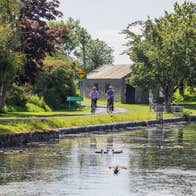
(100, 110)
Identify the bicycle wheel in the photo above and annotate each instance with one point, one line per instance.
(93, 107)
(110, 106)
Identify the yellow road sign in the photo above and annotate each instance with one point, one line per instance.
(81, 74)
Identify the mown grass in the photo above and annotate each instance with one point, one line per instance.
(135, 112)
(80, 110)
(190, 107)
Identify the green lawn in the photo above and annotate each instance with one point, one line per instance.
(81, 110)
(190, 107)
(136, 112)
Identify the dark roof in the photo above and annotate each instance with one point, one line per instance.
(110, 72)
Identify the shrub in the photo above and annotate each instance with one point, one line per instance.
(177, 98)
(33, 108)
(186, 115)
(37, 104)
(16, 96)
(11, 108)
(55, 83)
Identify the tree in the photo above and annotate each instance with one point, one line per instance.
(162, 53)
(77, 39)
(72, 43)
(9, 10)
(56, 81)
(80, 46)
(9, 59)
(9, 63)
(98, 53)
(37, 39)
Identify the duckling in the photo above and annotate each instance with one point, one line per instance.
(117, 151)
(106, 152)
(116, 170)
(99, 151)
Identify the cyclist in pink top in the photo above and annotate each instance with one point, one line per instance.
(94, 95)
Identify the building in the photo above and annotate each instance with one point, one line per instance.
(115, 75)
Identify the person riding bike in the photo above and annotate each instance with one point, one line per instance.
(94, 95)
(110, 99)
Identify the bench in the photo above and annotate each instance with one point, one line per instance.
(176, 108)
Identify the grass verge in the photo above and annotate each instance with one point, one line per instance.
(135, 113)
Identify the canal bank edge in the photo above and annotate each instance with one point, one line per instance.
(21, 139)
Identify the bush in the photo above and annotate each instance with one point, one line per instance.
(177, 98)
(37, 104)
(186, 115)
(16, 96)
(33, 108)
(11, 108)
(55, 83)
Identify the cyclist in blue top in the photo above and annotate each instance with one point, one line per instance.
(94, 95)
(110, 99)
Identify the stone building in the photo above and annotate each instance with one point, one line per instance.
(115, 75)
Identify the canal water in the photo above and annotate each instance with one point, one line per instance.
(153, 162)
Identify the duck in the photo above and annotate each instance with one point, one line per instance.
(99, 151)
(117, 151)
(116, 169)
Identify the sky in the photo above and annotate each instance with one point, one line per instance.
(105, 19)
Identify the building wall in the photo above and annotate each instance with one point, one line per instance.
(119, 86)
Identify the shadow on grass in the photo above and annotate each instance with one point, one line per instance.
(190, 106)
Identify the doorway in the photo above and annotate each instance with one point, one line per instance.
(130, 94)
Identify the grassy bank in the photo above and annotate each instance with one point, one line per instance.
(135, 113)
(81, 110)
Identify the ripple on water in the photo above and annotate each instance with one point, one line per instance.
(159, 163)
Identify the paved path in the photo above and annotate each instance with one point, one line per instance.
(100, 110)
(103, 110)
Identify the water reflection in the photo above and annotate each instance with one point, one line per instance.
(158, 162)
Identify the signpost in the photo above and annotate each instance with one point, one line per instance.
(74, 98)
(81, 76)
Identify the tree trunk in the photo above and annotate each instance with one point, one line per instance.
(1, 98)
(168, 99)
(191, 90)
(84, 56)
(181, 89)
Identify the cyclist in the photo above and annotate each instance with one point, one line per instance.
(94, 95)
(110, 99)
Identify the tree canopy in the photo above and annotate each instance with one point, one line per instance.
(80, 46)
(9, 58)
(37, 39)
(98, 53)
(164, 53)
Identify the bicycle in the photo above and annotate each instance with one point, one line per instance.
(93, 106)
(110, 105)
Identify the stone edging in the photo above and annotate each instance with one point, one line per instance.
(16, 140)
